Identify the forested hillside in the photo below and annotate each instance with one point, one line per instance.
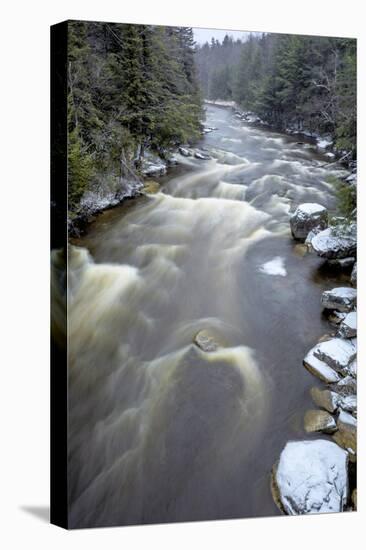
(132, 88)
(303, 82)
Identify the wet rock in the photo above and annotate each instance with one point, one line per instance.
(311, 477)
(326, 399)
(205, 340)
(320, 369)
(354, 275)
(306, 217)
(337, 353)
(151, 186)
(348, 327)
(336, 242)
(185, 152)
(342, 264)
(336, 317)
(201, 156)
(346, 436)
(342, 299)
(319, 421)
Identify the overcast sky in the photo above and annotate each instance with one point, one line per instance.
(204, 35)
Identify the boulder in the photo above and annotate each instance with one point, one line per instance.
(319, 421)
(201, 156)
(336, 242)
(348, 403)
(311, 477)
(328, 400)
(154, 167)
(348, 327)
(307, 217)
(337, 353)
(342, 299)
(345, 386)
(342, 263)
(185, 152)
(320, 368)
(346, 436)
(354, 275)
(205, 340)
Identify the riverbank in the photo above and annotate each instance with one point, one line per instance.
(320, 475)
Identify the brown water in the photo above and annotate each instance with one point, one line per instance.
(160, 431)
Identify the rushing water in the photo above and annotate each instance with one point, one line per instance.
(159, 430)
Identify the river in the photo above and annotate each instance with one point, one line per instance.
(160, 431)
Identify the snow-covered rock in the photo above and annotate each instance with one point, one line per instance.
(311, 477)
(328, 400)
(349, 403)
(348, 327)
(152, 165)
(334, 243)
(319, 421)
(337, 353)
(320, 368)
(354, 275)
(307, 217)
(185, 152)
(324, 142)
(201, 156)
(345, 386)
(341, 298)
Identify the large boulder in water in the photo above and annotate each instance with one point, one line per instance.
(341, 298)
(306, 218)
(336, 242)
(311, 477)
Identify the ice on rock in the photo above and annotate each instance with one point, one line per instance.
(311, 477)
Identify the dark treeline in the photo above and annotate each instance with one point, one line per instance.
(131, 88)
(303, 82)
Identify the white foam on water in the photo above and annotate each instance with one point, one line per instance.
(274, 267)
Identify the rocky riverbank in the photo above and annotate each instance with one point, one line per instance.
(112, 190)
(314, 476)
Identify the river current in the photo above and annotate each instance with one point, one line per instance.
(160, 431)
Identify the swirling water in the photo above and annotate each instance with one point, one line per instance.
(160, 431)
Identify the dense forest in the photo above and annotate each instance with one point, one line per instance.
(134, 90)
(130, 88)
(303, 82)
